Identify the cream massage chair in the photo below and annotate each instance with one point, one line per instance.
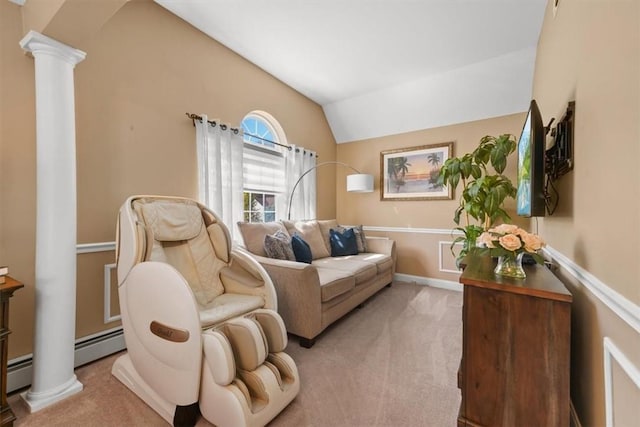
(199, 318)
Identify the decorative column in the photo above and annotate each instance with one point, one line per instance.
(55, 297)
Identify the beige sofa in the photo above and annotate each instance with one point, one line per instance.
(313, 296)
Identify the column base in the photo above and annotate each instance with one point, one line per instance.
(40, 400)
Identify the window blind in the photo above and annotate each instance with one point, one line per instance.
(263, 170)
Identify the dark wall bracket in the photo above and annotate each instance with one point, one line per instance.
(559, 157)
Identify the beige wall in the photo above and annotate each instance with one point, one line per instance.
(590, 53)
(419, 252)
(145, 68)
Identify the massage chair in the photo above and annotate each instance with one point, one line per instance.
(199, 318)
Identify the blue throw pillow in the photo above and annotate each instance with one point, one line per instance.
(343, 243)
(301, 249)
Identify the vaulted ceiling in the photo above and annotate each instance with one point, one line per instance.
(382, 67)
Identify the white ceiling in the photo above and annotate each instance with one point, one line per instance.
(381, 67)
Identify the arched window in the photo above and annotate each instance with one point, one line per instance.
(258, 131)
(264, 172)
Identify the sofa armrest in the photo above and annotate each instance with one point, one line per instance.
(299, 297)
(383, 246)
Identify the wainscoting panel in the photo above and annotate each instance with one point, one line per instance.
(446, 259)
(611, 353)
(110, 288)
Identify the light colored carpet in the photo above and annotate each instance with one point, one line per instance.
(391, 363)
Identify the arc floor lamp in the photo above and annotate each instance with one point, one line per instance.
(356, 183)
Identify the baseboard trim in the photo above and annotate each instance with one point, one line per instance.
(428, 281)
(87, 349)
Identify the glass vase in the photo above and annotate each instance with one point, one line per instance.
(510, 267)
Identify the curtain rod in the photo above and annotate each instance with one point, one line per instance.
(195, 117)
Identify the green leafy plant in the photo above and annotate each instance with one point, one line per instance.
(484, 188)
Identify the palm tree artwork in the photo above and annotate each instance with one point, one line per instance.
(413, 173)
(397, 170)
(434, 159)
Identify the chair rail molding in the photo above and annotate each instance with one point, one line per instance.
(621, 306)
(85, 248)
(447, 231)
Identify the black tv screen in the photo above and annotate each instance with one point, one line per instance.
(530, 199)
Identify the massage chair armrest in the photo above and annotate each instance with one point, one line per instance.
(163, 337)
(245, 275)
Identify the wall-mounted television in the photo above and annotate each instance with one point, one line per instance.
(530, 199)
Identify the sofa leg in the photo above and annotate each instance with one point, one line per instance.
(307, 342)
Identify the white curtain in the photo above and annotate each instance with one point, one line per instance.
(303, 204)
(220, 182)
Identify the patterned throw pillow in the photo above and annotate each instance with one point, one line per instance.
(278, 246)
(343, 243)
(361, 240)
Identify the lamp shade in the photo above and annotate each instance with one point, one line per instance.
(360, 183)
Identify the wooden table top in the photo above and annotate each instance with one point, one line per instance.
(540, 281)
(10, 285)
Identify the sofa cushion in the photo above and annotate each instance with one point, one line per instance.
(334, 283)
(383, 262)
(253, 234)
(343, 243)
(301, 249)
(361, 270)
(310, 232)
(278, 246)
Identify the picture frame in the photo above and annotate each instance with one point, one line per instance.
(412, 173)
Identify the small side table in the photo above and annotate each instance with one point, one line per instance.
(6, 291)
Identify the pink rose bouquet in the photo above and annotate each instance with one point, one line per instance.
(510, 240)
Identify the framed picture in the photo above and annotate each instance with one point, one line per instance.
(412, 173)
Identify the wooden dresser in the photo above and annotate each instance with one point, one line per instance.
(516, 346)
(6, 290)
